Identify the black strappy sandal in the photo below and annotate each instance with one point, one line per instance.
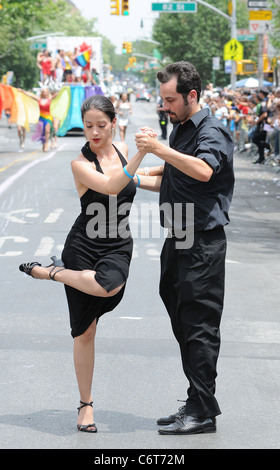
(27, 267)
(53, 273)
(85, 427)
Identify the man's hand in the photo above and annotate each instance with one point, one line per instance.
(147, 141)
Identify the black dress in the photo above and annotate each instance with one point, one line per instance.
(99, 240)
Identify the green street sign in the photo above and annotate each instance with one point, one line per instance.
(175, 7)
(245, 37)
(37, 46)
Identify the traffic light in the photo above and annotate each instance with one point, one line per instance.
(249, 66)
(127, 47)
(132, 61)
(245, 67)
(267, 68)
(239, 67)
(125, 7)
(115, 7)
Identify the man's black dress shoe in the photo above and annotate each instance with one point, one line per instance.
(172, 418)
(190, 425)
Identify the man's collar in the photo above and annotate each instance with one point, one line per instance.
(199, 116)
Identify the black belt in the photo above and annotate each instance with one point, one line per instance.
(181, 233)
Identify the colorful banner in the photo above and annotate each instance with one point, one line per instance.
(66, 106)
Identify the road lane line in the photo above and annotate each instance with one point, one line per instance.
(131, 318)
(27, 157)
(13, 178)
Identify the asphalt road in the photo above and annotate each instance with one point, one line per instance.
(138, 374)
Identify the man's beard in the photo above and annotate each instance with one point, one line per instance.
(173, 118)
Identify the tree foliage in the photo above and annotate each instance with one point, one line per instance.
(198, 37)
(275, 34)
(20, 19)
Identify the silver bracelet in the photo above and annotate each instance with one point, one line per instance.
(146, 171)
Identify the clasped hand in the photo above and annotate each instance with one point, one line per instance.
(146, 140)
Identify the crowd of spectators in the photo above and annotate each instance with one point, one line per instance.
(63, 68)
(252, 117)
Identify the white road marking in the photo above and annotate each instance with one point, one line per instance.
(13, 178)
(131, 318)
(16, 239)
(46, 247)
(53, 216)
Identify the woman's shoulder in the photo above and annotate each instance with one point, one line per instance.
(123, 148)
(77, 160)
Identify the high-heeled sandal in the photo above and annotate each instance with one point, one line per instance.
(27, 267)
(85, 427)
(53, 273)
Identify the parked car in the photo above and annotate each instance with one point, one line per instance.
(143, 95)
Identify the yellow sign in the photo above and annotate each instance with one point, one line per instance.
(260, 15)
(230, 8)
(233, 50)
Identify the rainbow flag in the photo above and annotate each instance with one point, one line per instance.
(84, 58)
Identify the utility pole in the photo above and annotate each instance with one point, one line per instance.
(260, 60)
(233, 36)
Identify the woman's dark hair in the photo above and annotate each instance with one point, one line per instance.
(187, 78)
(101, 103)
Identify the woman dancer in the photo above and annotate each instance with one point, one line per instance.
(45, 125)
(124, 110)
(96, 259)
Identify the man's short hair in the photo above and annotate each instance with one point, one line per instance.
(264, 91)
(187, 77)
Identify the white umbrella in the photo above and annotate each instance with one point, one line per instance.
(251, 82)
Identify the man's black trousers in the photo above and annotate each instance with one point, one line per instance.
(192, 289)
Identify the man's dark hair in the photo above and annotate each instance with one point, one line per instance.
(187, 77)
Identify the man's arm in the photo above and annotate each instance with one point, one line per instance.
(191, 166)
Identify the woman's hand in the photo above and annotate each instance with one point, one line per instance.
(148, 130)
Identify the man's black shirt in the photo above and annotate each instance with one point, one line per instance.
(204, 137)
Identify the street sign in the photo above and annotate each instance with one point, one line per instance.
(233, 50)
(260, 15)
(257, 3)
(245, 37)
(175, 7)
(215, 63)
(228, 66)
(259, 27)
(38, 46)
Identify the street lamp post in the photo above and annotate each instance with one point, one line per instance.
(233, 36)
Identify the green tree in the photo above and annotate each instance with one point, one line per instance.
(198, 37)
(275, 34)
(18, 21)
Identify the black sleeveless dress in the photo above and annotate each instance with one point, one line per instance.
(100, 240)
